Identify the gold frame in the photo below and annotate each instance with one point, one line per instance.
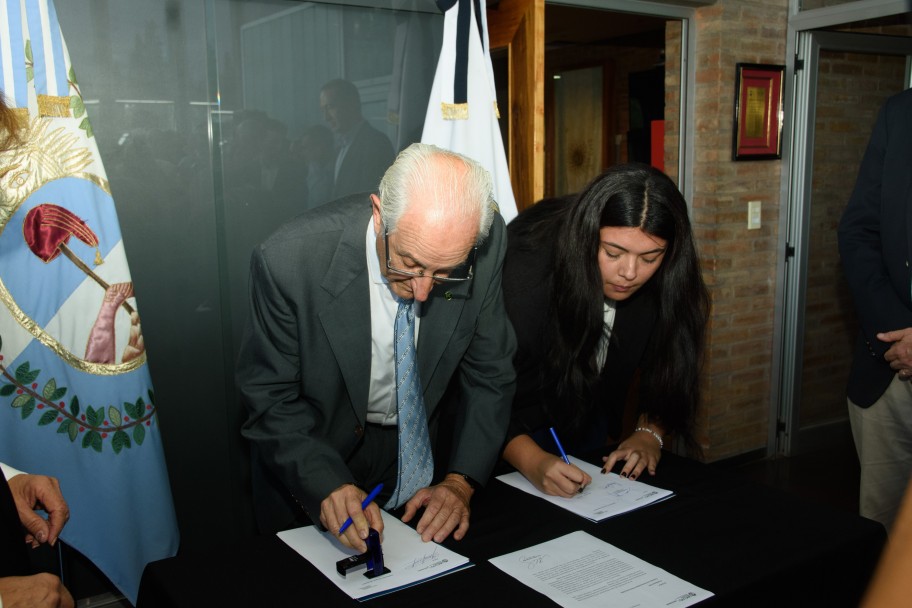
(757, 125)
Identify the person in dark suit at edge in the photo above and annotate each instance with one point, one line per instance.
(875, 247)
(20, 526)
(316, 369)
(364, 153)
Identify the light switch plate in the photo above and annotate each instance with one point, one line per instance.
(753, 215)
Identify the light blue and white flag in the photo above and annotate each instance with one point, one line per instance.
(462, 112)
(76, 399)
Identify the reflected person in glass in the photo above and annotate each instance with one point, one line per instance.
(362, 152)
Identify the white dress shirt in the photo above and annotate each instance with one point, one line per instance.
(381, 396)
(602, 347)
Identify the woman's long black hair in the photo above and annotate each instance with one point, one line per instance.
(628, 196)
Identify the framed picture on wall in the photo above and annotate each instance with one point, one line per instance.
(757, 132)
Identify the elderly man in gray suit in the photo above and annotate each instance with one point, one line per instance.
(319, 368)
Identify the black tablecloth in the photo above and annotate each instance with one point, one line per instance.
(750, 544)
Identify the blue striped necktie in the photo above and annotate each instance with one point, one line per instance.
(416, 463)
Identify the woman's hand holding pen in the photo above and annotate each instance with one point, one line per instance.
(548, 473)
(555, 477)
(344, 502)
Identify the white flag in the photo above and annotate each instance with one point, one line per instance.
(462, 111)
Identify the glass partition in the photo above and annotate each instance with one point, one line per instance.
(213, 132)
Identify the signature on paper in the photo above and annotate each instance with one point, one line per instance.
(431, 560)
(616, 489)
(532, 561)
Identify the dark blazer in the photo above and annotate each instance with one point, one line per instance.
(528, 271)
(14, 559)
(365, 162)
(305, 360)
(875, 244)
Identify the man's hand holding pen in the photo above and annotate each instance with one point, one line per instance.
(346, 502)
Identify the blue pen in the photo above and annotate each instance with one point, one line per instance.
(364, 503)
(559, 446)
(562, 452)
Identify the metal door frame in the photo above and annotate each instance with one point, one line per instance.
(785, 436)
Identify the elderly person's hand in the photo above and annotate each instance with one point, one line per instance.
(899, 355)
(344, 502)
(39, 492)
(38, 591)
(446, 508)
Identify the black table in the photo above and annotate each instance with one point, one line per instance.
(750, 544)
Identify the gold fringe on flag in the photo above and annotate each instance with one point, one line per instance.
(22, 116)
(55, 107)
(454, 111)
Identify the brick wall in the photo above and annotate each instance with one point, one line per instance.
(673, 32)
(738, 265)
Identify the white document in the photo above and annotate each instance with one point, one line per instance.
(608, 495)
(579, 570)
(409, 559)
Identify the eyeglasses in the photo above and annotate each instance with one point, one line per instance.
(463, 272)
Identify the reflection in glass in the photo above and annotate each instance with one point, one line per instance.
(209, 121)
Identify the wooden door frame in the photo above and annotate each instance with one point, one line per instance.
(519, 26)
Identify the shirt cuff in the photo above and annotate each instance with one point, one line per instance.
(9, 472)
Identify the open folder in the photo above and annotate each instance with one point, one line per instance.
(410, 560)
(608, 494)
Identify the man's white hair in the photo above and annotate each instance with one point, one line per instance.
(457, 188)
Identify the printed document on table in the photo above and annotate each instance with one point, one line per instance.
(580, 571)
(608, 495)
(410, 560)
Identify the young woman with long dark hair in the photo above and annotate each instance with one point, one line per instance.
(605, 292)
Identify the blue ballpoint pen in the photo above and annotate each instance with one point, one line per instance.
(562, 452)
(364, 503)
(559, 446)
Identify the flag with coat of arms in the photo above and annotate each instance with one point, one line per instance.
(76, 398)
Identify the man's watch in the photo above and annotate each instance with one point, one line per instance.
(474, 484)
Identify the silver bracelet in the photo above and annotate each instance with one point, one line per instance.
(651, 432)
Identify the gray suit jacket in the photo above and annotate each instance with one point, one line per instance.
(303, 370)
